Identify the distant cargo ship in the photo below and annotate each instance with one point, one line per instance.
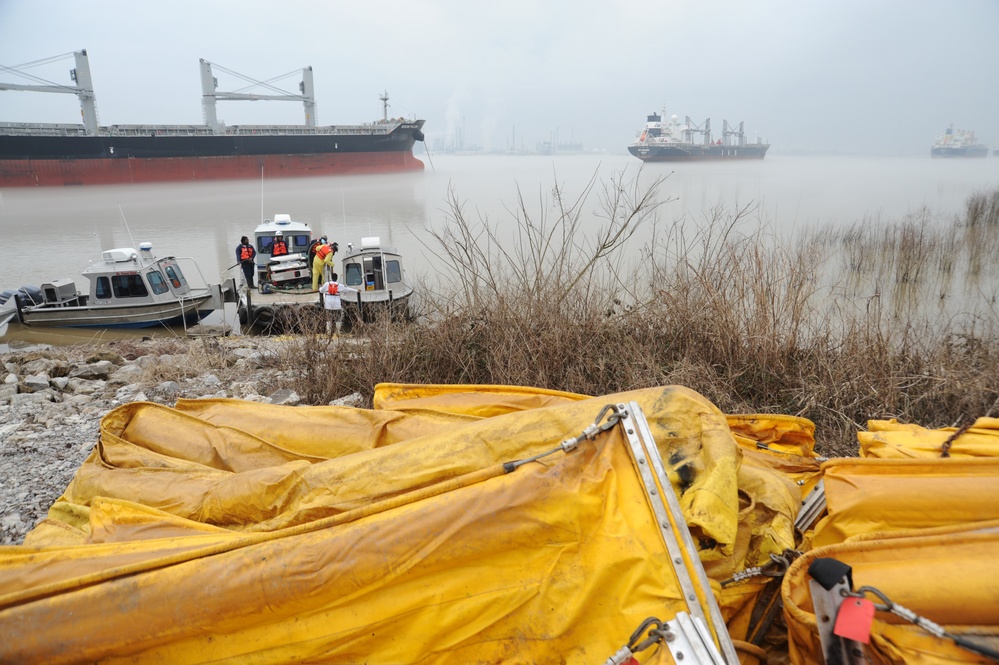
(674, 142)
(66, 154)
(958, 143)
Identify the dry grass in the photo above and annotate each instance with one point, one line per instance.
(880, 320)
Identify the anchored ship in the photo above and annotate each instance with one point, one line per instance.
(673, 141)
(958, 143)
(70, 154)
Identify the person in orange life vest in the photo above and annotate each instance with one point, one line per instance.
(279, 248)
(312, 249)
(331, 292)
(245, 254)
(324, 257)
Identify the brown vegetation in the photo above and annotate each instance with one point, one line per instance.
(880, 320)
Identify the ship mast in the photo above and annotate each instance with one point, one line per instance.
(210, 95)
(84, 89)
(385, 105)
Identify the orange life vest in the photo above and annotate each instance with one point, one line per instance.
(323, 251)
(333, 289)
(245, 253)
(279, 248)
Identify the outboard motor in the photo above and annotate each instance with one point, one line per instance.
(30, 295)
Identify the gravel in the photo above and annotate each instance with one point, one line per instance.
(52, 401)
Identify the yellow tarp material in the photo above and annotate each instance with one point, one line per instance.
(947, 575)
(867, 495)
(891, 439)
(921, 528)
(228, 531)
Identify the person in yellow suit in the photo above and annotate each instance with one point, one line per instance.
(323, 257)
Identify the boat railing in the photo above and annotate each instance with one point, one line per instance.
(44, 129)
(332, 130)
(189, 261)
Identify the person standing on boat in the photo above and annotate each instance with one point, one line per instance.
(312, 249)
(279, 248)
(323, 257)
(331, 292)
(245, 253)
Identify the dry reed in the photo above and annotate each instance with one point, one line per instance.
(875, 321)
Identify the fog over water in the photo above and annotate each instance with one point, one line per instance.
(52, 233)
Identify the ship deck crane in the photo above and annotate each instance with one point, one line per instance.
(210, 95)
(84, 88)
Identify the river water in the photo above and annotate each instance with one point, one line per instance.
(52, 233)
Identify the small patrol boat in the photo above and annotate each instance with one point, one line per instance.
(376, 271)
(128, 288)
(284, 283)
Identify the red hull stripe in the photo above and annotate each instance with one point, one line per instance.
(49, 172)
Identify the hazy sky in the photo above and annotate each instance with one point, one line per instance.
(857, 76)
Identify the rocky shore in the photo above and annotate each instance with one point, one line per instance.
(52, 400)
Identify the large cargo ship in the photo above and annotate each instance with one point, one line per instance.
(69, 154)
(673, 141)
(958, 143)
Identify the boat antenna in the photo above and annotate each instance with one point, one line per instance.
(122, 213)
(261, 194)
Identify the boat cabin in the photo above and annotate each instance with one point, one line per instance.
(297, 236)
(373, 269)
(122, 276)
(127, 289)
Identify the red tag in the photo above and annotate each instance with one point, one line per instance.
(631, 661)
(854, 619)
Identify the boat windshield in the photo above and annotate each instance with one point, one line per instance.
(296, 243)
(156, 282)
(393, 272)
(354, 276)
(175, 276)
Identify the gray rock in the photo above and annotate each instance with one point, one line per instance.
(145, 362)
(43, 397)
(355, 400)
(165, 392)
(7, 391)
(130, 373)
(99, 370)
(285, 396)
(80, 386)
(34, 383)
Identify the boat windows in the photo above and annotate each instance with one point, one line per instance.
(175, 276)
(103, 289)
(296, 243)
(393, 272)
(128, 286)
(353, 277)
(156, 282)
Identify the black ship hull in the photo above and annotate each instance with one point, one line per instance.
(171, 153)
(691, 152)
(960, 151)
